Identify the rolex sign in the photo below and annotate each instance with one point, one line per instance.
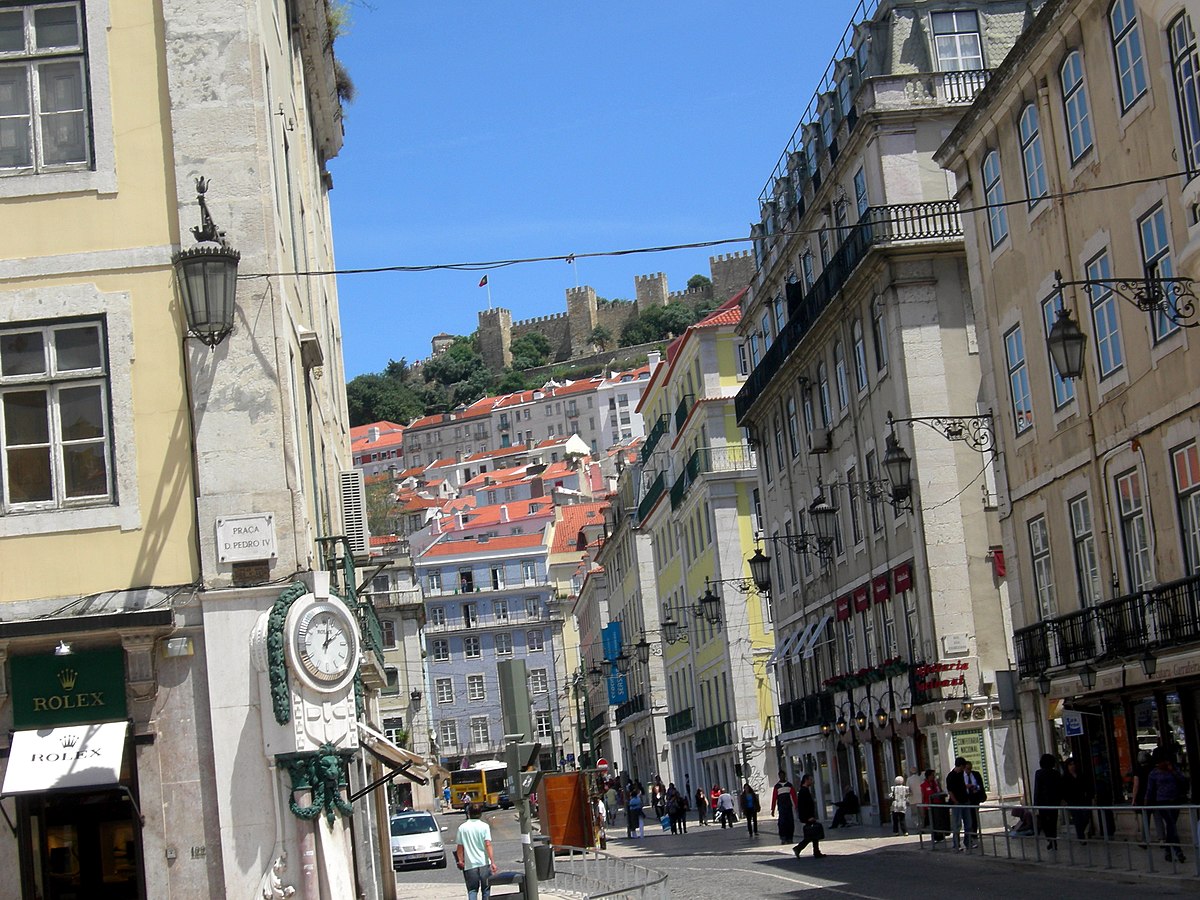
(88, 686)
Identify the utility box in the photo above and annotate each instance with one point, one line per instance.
(567, 816)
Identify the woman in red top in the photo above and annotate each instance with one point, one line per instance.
(715, 794)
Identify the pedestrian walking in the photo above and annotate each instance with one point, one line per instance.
(634, 827)
(1141, 778)
(900, 795)
(725, 808)
(975, 796)
(783, 805)
(1166, 787)
(1047, 797)
(610, 804)
(915, 812)
(749, 802)
(676, 810)
(1078, 798)
(713, 796)
(659, 798)
(701, 807)
(960, 815)
(474, 855)
(811, 830)
(937, 820)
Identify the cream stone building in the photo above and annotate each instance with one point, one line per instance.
(1079, 162)
(698, 512)
(892, 648)
(160, 500)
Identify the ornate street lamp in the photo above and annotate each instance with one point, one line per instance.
(595, 675)
(1149, 663)
(643, 650)
(1067, 344)
(670, 630)
(622, 662)
(882, 717)
(860, 720)
(709, 606)
(760, 570)
(898, 466)
(824, 519)
(207, 278)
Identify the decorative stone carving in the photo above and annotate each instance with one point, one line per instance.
(272, 887)
(139, 663)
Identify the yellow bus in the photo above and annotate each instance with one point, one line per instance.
(485, 782)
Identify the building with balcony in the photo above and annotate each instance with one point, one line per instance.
(1100, 488)
(635, 682)
(861, 310)
(163, 495)
(489, 598)
(378, 448)
(698, 517)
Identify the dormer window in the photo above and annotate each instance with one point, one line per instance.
(957, 42)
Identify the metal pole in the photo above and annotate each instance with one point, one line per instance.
(526, 819)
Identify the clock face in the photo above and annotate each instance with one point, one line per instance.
(326, 643)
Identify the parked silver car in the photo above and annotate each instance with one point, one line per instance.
(417, 840)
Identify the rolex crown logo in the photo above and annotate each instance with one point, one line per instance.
(67, 677)
(68, 741)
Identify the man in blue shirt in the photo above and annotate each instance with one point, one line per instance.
(474, 854)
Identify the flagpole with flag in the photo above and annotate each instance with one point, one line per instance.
(483, 282)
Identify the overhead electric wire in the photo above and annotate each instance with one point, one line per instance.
(489, 265)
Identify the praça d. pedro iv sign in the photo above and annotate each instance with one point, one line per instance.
(87, 686)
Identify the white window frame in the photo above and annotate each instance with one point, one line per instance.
(957, 42)
(1185, 464)
(535, 637)
(543, 724)
(1134, 530)
(1033, 158)
(439, 644)
(1128, 58)
(1106, 319)
(1041, 564)
(481, 731)
(443, 690)
(1155, 239)
(539, 681)
(1018, 379)
(472, 647)
(1083, 544)
(1075, 105)
(993, 195)
(476, 688)
(504, 638)
(1185, 69)
(1063, 388)
(448, 730)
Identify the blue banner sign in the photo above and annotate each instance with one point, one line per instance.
(610, 639)
(618, 690)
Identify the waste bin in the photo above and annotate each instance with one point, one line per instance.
(543, 858)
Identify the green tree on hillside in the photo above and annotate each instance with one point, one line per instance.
(530, 350)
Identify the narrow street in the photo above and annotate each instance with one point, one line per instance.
(860, 862)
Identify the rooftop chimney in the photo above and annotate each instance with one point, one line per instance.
(653, 358)
(503, 513)
(373, 433)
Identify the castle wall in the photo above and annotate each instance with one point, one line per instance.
(568, 332)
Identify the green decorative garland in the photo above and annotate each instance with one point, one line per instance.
(281, 694)
(323, 774)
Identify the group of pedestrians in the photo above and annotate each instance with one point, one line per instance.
(791, 805)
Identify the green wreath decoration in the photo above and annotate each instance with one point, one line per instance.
(320, 773)
(281, 695)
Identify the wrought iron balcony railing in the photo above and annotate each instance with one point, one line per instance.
(631, 707)
(654, 435)
(807, 712)
(714, 736)
(683, 410)
(680, 721)
(653, 493)
(730, 458)
(1165, 616)
(936, 221)
(372, 630)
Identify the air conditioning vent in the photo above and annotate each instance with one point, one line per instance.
(354, 511)
(819, 441)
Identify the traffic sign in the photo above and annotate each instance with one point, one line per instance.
(528, 780)
(602, 764)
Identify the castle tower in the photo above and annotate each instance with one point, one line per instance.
(495, 338)
(651, 291)
(730, 273)
(581, 318)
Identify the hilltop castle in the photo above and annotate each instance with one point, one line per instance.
(570, 332)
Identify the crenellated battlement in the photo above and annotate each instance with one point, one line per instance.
(539, 320)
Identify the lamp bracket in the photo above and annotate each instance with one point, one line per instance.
(803, 543)
(207, 229)
(975, 431)
(1173, 297)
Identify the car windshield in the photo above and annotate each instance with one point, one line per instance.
(413, 825)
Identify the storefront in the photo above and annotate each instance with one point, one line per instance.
(1128, 713)
(71, 770)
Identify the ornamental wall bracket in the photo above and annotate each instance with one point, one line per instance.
(1174, 298)
(139, 663)
(323, 773)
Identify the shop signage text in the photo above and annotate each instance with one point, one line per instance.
(86, 686)
(929, 675)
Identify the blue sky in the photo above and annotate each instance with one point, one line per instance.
(493, 130)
